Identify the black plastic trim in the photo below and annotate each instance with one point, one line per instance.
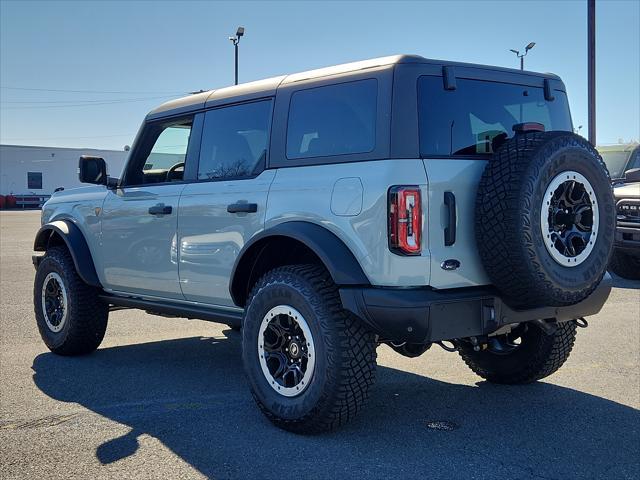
(334, 254)
(210, 314)
(449, 78)
(548, 91)
(421, 315)
(450, 229)
(75, 242)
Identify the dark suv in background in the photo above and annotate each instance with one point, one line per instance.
(623, 162)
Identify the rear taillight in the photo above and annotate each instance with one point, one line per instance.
(405, 220)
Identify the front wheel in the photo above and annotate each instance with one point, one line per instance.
(310, 363)
(524, 355)
(71, 317)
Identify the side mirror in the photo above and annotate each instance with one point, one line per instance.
(92, 170)
(632, 175)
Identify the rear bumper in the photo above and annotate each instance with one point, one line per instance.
(425, 315)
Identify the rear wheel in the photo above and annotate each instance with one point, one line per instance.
(524, 355)
(310, 363)
(71, 318)
(625, 265)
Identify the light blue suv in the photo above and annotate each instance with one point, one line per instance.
(399, 200)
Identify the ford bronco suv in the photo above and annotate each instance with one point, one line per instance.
(625, 260)
(399, 200)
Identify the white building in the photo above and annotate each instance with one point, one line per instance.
(26, 170)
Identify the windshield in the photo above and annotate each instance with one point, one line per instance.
(615, 161)
(465, 121)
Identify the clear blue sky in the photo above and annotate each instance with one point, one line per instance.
(156, 49)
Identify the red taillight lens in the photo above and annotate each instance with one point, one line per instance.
(405, 220)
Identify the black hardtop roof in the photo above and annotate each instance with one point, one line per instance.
(269, 86)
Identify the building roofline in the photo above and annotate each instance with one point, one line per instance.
(63, 148)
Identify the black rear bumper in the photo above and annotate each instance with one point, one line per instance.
(421, 315)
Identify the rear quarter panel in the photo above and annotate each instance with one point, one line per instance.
(329, 195)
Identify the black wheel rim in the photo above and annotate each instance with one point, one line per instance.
(286, 350)
(54, 302)
(569, 218)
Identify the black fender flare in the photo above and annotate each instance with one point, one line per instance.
(338, 259)
(76, 244)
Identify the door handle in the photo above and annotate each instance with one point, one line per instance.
(450, 229)
(242, 208)
(161, 209)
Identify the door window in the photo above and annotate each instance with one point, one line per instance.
(160, 157)
(235, 141)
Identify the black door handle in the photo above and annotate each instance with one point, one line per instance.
(450, 229)
(160, 209)
(242, 208)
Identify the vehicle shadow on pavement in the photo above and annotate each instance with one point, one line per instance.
(620, 282)
(191, 394)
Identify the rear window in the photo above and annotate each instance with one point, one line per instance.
(465, 121)
(333, 120)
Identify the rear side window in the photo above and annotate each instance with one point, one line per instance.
(465, 121)
(235, 141)
(333, 120)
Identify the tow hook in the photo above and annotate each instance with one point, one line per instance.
(581, 322)
(447, 348)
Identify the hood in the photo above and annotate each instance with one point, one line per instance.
(627, 190)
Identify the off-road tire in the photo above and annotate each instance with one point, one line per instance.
(345, 351)
(625, 265)
(538, 356)
(87, 315)
(508, 226)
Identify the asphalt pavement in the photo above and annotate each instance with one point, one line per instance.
(167, 398)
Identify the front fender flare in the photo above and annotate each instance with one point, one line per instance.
(77, 245)
(342, 265)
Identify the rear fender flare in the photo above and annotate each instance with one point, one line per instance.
(337, 258)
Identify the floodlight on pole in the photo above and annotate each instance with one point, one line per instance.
(236, 40)
(521, 56)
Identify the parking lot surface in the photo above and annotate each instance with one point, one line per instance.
(167, 398)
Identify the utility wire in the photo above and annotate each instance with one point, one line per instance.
(42, 102)
(112, 102)
(68, 138)
(90, 91)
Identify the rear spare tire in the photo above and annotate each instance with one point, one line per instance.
(545, 219)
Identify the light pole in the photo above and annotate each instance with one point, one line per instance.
(521, 57)
(591, 70)
(236, 40)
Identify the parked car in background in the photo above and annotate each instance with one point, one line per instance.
(626, 254)
(620, 158)
(623, 162)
